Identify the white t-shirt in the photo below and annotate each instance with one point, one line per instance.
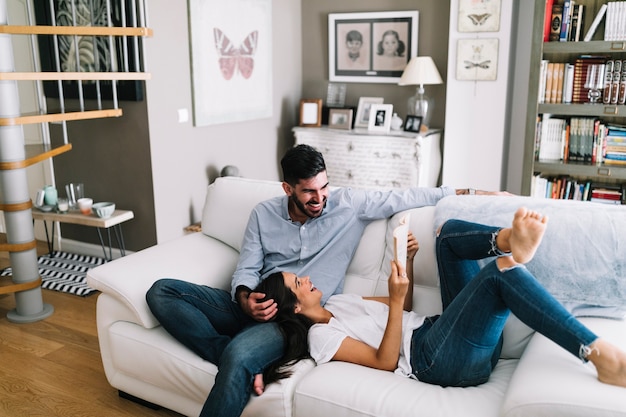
(363, 320)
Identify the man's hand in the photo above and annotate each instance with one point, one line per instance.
(261, 311)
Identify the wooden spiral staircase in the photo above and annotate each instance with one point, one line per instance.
(16, 155)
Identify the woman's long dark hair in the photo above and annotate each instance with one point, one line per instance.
(295, 327)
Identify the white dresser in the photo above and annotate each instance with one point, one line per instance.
(362, 159)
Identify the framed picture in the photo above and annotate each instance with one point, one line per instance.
(90, 53)
(231, 60)
(311, 112)
(363, 110)
(340, 118)
(479, 16)
(413, 124)
(380, 117)
(477, 59)
(371, 47)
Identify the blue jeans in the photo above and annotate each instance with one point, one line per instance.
(208, 322)
(462, 346)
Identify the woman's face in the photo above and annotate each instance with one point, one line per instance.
(303, 288)
(390, 45)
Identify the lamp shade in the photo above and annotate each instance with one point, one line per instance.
(421, 70)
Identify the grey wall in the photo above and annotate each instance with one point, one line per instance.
(434, 18)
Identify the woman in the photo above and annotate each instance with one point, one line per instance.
(461, 347)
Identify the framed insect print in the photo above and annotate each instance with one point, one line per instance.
(231, 60)
(477, 59)
(479, 16)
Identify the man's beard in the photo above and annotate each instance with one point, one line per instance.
(302, 207)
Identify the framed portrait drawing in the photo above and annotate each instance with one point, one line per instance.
(477, 59)
(371, 47)
(340, 118)
(479, 16)
(413, 123)
(363, 110)
(231, 60)
(311, 112)
(90, 53)
(380, 117)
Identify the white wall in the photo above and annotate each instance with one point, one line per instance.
(476, 113)
(185, 158)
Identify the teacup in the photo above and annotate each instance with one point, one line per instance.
(84, 205)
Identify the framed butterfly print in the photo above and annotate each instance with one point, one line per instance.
(371, 47)
(477, 59)
(479, 16)
(231, 60)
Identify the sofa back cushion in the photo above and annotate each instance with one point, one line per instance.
(228, 203)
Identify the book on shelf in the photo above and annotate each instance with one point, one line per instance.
(614, 28)
(566, 20)
(577, 22)
(608, 81)
(621, 99)
(615, 84)
(549, 80)
(543, 70)
(568, 83)
(595, 23)
(547, 20)
(580, 93)
(555, 25)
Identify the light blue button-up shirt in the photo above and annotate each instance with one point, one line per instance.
(322, 247)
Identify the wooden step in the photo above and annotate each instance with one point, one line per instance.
(7, 286)
(59, 117)
(36, 153)
(76, 30)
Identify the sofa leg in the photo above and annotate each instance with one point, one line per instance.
(138, 400)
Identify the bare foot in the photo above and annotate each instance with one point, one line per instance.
(610, 362)
(526, 234)
(258, 386)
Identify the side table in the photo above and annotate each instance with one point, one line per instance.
(90, 220)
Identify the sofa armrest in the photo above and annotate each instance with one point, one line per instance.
(195, 258)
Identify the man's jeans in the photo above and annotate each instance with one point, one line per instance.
(462, 346)
(208, 322)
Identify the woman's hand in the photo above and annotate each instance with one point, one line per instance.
(398, 284)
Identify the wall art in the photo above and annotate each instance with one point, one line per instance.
(479, 15)
(231, 60)
(371, 47)
(477, 59)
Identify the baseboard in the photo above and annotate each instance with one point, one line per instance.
(74, 246)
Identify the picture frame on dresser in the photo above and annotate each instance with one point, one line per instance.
(355, 45)
(311, 112)
(363, 110)
(413, 123)
(340, 119)
(380, 118)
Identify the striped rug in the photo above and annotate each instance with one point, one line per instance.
(65, 272)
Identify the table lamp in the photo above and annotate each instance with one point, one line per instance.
(421, 70)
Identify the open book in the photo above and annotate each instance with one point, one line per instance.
(400, 236)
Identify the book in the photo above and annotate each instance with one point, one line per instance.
(615, 84)
(543, 69)
(549, 80)
(555, 25)
(568, 83)
(557, 87)
(547, 21)
(566, 20)
(400, 238)
(577, 22)
(621, 99)
(595, 23)
(608, 81)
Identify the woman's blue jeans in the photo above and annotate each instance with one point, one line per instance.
(462, 346)
(208, 322)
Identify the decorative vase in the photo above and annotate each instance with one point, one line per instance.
(396, 122)
(50, 195)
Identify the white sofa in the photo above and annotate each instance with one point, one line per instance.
(534, 377)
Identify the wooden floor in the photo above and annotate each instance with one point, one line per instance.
(52, 367)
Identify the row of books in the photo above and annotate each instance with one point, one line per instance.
(565, 20)
(586, 140)
(563, 82)
(567, 188)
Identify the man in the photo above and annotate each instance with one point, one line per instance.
(310, 231)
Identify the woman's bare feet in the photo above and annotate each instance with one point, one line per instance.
(610, 362)
(258, 386)
(526, 233)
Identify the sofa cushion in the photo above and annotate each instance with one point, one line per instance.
(228, 204)
(347, 390)
(581, 258)
(552, 382)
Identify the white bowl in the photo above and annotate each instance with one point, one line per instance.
(104, 210)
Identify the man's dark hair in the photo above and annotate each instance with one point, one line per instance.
(300, 163)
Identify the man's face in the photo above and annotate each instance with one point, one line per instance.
(309, 196)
